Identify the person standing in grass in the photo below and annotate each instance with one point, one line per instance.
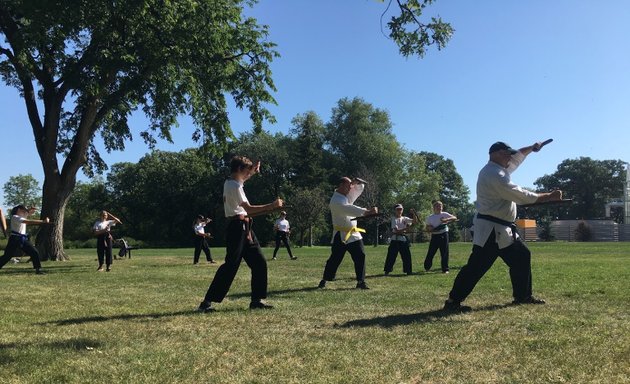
(495, 232)
(19, 239)
(346, 236)
(437, 225)
(283, 229)
(201, 239)
(104, 240)
(399, 241)
(240, 238)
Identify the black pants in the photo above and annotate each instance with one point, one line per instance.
(17, 242)
(104, 249)
(239, 248)
(518, 258)
(438, 241)
(201, 244)
(338, 251)
(282, 237)
(395, 247)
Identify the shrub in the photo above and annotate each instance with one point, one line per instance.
(583, 232)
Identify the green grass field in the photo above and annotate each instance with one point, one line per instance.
(137, 323)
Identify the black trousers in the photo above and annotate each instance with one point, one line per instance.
(338, 251)
(438, 241)
(17, 242)
(201, 244)
(282, 237)
(104, 249)
(517, 257)
(239, 247)
(395, 247)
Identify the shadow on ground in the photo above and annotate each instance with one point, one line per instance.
(411, 318)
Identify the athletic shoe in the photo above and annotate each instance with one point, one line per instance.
(445, 272)
(362, 285)
(322, 284)
(528, 300)
(100, 269)
(205, 307)
(273, 258)
(259, 305)
(39, 272)
(453, 306)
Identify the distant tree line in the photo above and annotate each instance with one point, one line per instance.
(159, 196)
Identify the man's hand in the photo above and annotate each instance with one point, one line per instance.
(372, 211)
(550, 196)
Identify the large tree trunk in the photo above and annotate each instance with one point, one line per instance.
(50, 238)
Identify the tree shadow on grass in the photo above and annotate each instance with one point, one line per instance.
(8, 350)
(412, 318)
(98, 319)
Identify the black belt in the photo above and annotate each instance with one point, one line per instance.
(510, 224)
(23, 237)
(241, 217)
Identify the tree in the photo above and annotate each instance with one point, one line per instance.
(84, 207)
(91, 63)
(411, 34)
(158, 198)
(22, 189)
(308, 205)
(590, 183)
(360, 137)
(308, 133)
(276, 163)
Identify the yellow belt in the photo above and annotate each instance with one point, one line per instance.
(349, 231)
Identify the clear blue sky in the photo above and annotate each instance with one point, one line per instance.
(516, 71)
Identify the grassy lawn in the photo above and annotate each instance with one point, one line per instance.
(137, 323)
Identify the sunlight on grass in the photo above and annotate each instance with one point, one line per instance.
(137, 323)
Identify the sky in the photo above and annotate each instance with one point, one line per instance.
(514, 71)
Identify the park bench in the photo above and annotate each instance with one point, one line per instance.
(125, 248)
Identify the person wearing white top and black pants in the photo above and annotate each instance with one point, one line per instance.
(346, 235)
(437, 225)
(399, 242)
(242, 243)
(101, 229)
(495, 233)
(201, 242)
(282, 229)
(19, 239)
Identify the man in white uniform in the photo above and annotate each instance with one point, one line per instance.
(346, 235)
(495, 233)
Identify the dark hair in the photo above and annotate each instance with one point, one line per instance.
(18, 207)
(238, 163)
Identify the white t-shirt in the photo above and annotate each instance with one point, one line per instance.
(233, 197)
(497, 196)
(400, 223)
(342, 210)
(282, 225)
(17, 224)
(435, 220)
(199, 228)
(103, 225)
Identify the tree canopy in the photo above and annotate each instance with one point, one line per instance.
(590, 183)
(84, 66)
